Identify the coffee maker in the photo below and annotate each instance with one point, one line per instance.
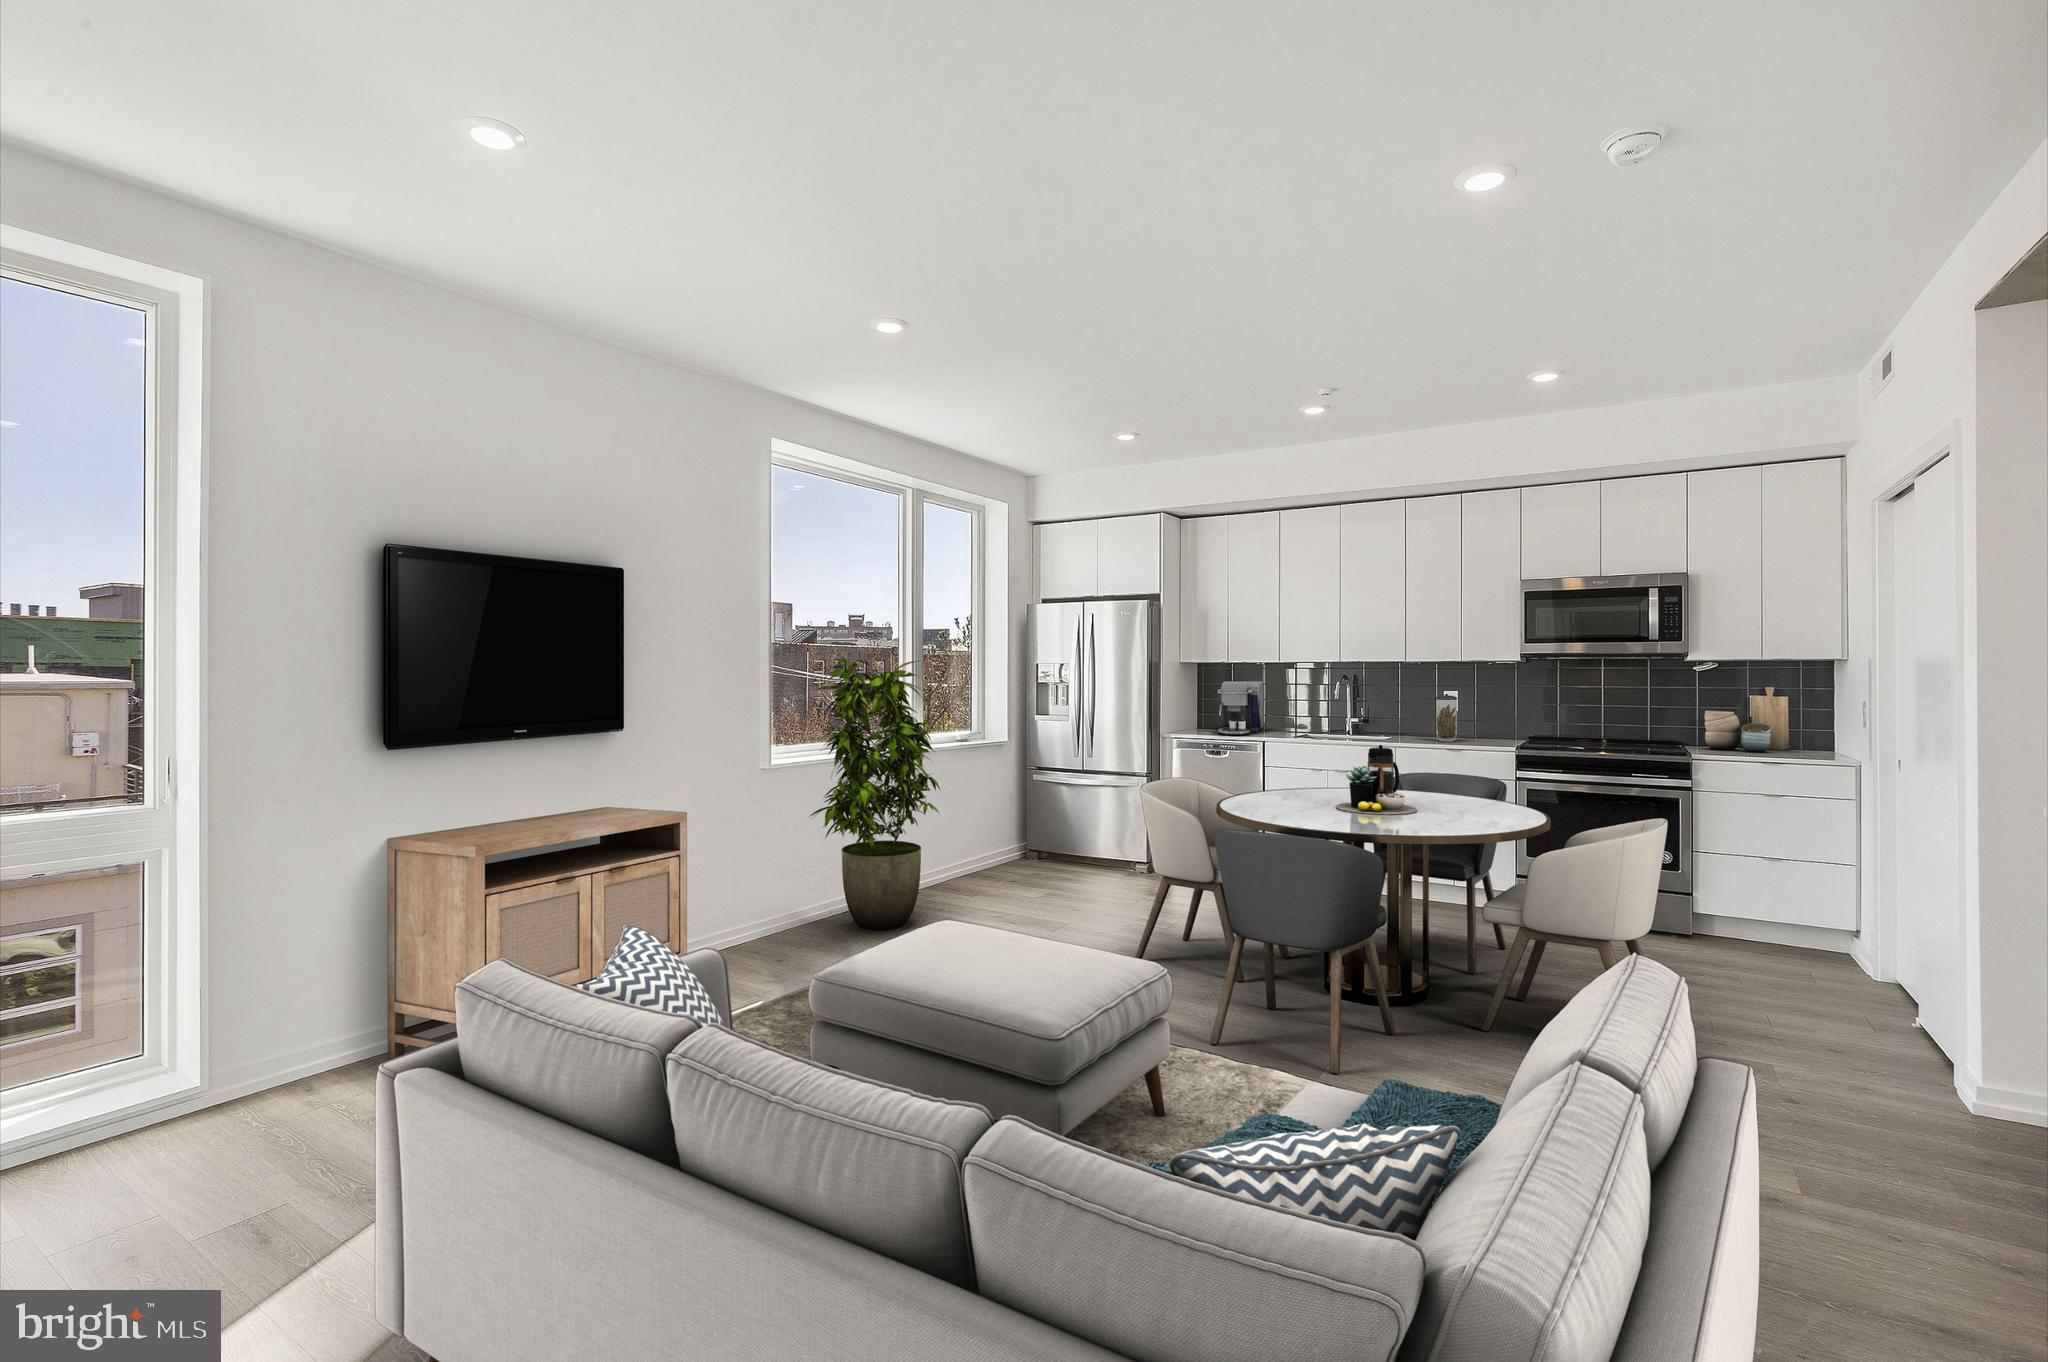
(1242, 704)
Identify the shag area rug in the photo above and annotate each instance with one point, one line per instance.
(1206, 1095)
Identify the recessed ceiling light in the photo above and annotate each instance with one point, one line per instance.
(1546, 376)
(492, 135)
(1127, 435)
(1479, 179)
(891, 326)
(1314, 409)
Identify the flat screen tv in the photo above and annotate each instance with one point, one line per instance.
(479, 647)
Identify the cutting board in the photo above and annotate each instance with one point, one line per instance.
(1776, 710)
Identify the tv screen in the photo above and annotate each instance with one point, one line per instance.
(478, 647)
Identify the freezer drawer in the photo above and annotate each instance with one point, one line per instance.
(1074, 813)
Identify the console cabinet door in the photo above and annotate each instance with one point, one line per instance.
(1067, 559)
(648, 896)
(542, 927)
(1802, 560)
(1310, 578)
(1255, 587)
(1435, 591)
(1127, 556)
(1561, 530)
(1642, 525)
(1492, 587)
(1372, 598)
(1205, 590)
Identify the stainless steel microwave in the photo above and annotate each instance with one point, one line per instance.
(1605, 616)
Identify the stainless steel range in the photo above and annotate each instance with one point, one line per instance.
(1584, 783)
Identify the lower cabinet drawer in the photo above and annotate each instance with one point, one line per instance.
(1780, 827)
(1458, 761)
(1291, 778)
(1805, 893)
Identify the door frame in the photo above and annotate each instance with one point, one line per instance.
(1882, 784)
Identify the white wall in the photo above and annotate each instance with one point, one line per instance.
(1933, 391)
(1751, 425)
(349, 406)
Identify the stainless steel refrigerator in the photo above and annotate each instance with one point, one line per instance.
(1093, 740)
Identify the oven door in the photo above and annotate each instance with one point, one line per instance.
(1603, 616)
(1576, 806)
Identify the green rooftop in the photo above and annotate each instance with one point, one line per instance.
(98, 647)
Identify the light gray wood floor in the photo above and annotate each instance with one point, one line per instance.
(1895, 1224)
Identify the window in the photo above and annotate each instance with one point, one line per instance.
(99, 1007)
(869, 567)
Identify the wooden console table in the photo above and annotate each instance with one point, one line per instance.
(535, 891)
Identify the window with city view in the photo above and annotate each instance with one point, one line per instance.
(862, 565)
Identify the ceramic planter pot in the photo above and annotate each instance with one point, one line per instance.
(1365, 791)
(881, 883)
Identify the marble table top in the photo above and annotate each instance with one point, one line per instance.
(1438, 818)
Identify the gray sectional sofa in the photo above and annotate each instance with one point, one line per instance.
(575, 1178)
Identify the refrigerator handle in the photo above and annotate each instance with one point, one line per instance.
(1081, 697)
(1091, 685)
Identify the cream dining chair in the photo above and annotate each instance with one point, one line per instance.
(1181, 823)
(1598, 890)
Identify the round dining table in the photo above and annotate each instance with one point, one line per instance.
(1437, 820)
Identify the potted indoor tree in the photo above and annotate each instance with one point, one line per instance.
(878, 745)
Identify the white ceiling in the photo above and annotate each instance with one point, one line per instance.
(1173, 216)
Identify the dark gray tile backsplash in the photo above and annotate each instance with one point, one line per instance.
(1655, 698)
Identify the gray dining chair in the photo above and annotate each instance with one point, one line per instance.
(1469, 862)
(1308, 894)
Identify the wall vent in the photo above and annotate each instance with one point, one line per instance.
(1880, 373)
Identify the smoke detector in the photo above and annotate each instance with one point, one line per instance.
(1630, 145)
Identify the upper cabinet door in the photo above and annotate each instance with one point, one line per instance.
(1802, 560)
(1128, 556)
(1372, 602)
(1491, 529)
(1642, 525)
(1205, 590)
(1561, 530)
(1067, 559)
(1435, 592)
(1255, 587)
(1724, 528)
(1310, 578)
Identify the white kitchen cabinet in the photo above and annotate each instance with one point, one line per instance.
(1802, 560)
(1643, 525)
(1128, 556)
(1801, 893)
(1491, 587)
(1205, 590)
(1372, 601)
(1777, 827)
(1255, 587)
(1434, 589)
(1291, 778)
(1561, 530)
(1067, 559)
(1310, 578)
(1493, 763)
(1725, 563)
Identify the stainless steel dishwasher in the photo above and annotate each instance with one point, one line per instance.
(1228, 764)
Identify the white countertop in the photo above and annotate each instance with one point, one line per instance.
(1505, 745)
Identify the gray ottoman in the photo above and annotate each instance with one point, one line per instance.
(1024, 1026)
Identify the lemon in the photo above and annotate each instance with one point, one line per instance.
(1363, 805)
(1378, 808)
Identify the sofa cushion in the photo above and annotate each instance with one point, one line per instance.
(874, 1165)
(1162, 1270)
(1354, 1175)
(1040, 1010)
(1533, 1249)
(586, 1061)
(1634, 1024)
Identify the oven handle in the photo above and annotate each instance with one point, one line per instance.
(1549, 780)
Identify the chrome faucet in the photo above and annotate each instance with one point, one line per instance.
(1347, 690)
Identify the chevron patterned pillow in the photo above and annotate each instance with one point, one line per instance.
(646, 973)
(1355, 1175)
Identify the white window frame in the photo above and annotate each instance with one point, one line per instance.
(990, 521)
(164, 834)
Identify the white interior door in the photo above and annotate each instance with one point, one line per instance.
(1923, 662)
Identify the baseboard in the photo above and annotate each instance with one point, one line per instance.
(1775, 933)
(797, 917)
(225, 1086)
(1864, 952)
(2003, 1104)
